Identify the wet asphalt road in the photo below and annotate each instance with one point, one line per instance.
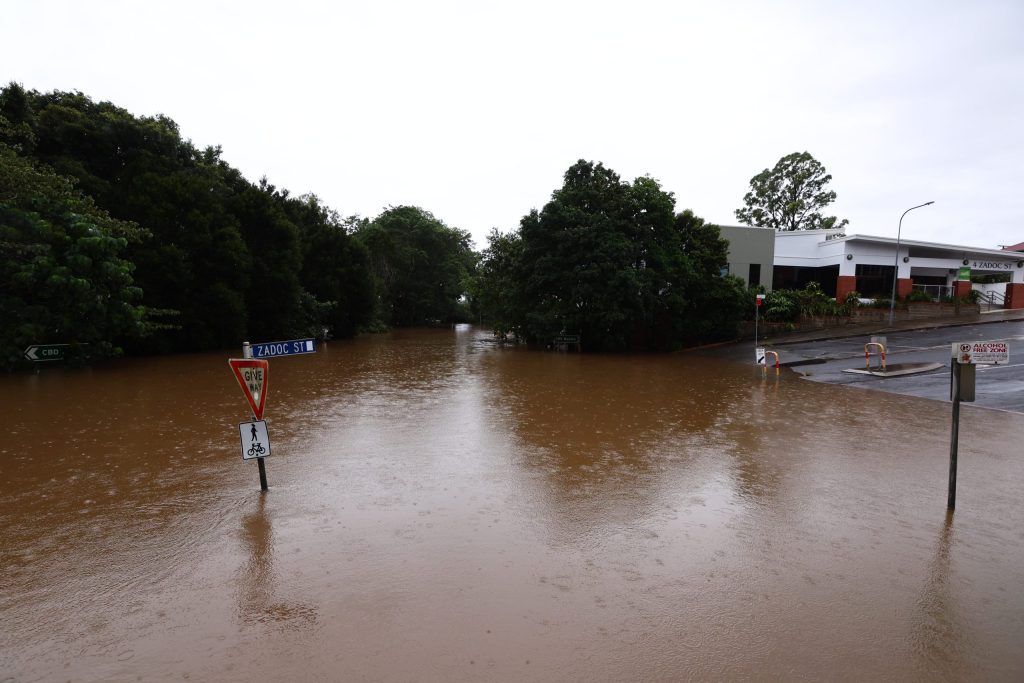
(999, 387)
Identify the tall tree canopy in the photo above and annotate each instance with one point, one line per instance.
(230, 259)
(421, 266)
(63, 275)
(495, 288)
(611, 261)
(790, 196)
(335, 265)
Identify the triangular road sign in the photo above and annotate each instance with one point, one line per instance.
(252, 375)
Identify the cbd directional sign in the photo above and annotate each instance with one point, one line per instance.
(44, 352)
(291, 347)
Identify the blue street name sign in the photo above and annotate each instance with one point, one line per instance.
(292, 347)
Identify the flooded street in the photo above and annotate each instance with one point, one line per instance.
(443, 509)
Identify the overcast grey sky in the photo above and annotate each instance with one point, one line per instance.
(474, 110)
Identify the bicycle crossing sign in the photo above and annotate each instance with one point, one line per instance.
(255, 439)
(252, 375)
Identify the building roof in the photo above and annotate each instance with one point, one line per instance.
(833, 236)
(1014, 247)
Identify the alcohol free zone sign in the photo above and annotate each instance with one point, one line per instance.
(981, 353)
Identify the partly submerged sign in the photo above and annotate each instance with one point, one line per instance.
(44, 352)
(252, 375)
(291, 347)
(255, 440)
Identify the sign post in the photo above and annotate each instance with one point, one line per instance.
(253, 376)
(966, 357)
(758, 302)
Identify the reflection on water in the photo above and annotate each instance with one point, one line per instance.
(442, 508)
(939, 636)
(259, 599)
(258, 577)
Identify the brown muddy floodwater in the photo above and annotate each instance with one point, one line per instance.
(441, 509)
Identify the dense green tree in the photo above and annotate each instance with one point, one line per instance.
(197, 261)
(421, 266)
(580, 263)
(712, 304)
(790, 196)
(495, 289)
(63, 278)
(335, 265)
(274, 298)
(611, 261)
(17, 119)
(234, 260)
(193, 260)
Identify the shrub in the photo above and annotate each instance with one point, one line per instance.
(850, 303)
(779, 306)
(919, 295)
(789, 305)
(812, 301)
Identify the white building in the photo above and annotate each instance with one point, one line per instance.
(844, 263)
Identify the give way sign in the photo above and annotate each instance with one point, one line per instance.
(252, 375)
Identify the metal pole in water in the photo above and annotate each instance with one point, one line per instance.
(263, 474)
(247, 353)
(954, 438)
(757, 315)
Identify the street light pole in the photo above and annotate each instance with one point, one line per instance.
(896, 260)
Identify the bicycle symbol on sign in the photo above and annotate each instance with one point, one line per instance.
(255, 440)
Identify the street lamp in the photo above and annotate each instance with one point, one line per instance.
(896, 260)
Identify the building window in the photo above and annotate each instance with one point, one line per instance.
(874, 281)
(798, 277)
(724, 271)
(754, 275)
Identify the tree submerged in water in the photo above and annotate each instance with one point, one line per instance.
(63, 275)
(420, 266)
(113, 226)
(612, 262)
